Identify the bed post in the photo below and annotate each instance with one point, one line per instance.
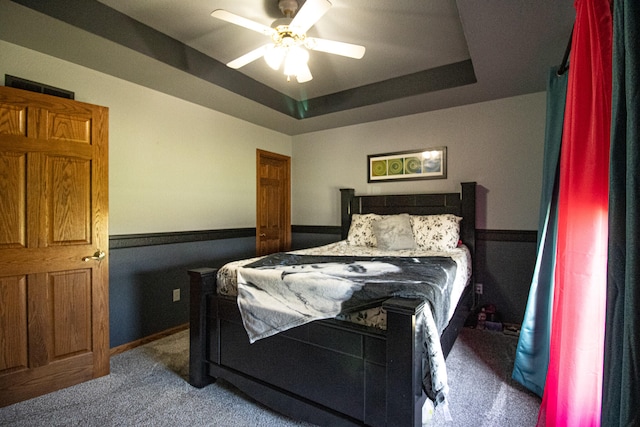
(469, 216)
(469, 230)
(346, 196)
(202, 283)
(405, 348)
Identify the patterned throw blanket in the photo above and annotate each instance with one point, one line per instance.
(285, 290)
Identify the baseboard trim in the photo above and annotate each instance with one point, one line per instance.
(142, 341)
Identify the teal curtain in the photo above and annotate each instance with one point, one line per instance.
(532, 354)
(621, 381)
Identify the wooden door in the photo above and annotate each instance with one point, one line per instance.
(54, 306)
(273, 229)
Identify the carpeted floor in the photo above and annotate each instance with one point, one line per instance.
(147, 387)
(482, 392)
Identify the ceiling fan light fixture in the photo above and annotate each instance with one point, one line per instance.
(296, 61)
(304, 76)
(274, 55)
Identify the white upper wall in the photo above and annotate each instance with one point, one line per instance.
(499, 144)
(178, 166)
(173, 165)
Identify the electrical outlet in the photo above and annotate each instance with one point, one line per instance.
(176, 295)
(479, 288)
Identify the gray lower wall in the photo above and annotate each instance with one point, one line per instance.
(142, 280)
(144, 275)
(309, 240)
(504, 265)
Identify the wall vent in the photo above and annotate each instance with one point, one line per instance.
(20, 83)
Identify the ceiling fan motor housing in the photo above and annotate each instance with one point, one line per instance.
(284, 35)
(288, 7)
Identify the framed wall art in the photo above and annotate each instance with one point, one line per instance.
(430, 163)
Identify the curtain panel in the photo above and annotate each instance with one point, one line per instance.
(573, 389)
(621, 388)
(532, 353)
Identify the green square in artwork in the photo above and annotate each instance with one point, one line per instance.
(379, 168)
(412, 165)
(396, 166)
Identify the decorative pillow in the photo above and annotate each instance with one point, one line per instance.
(436, 232)
(361, 230)
(393, 232)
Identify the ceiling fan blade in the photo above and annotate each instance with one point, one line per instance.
(248, 57)
(243, 22)
(309, 14)
(338, 48)
(304, 75)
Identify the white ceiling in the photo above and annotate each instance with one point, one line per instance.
(401, 37)
(421, 55)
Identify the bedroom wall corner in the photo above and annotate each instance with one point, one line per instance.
(505, 260)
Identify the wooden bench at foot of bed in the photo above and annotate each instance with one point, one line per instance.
(326, 372)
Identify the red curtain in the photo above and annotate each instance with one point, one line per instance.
(573, 389)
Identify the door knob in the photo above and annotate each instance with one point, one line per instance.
(263, 235)
(98, 256)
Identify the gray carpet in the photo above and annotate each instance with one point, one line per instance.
(482, 392)
(147, 387)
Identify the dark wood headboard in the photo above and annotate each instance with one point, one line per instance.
(462, 204)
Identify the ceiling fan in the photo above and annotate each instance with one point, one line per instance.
(289, 42)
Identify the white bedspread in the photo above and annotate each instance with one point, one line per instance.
(376, 317)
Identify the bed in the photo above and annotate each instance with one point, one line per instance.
(333, 371)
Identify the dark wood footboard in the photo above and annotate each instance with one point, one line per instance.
(327, 372)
